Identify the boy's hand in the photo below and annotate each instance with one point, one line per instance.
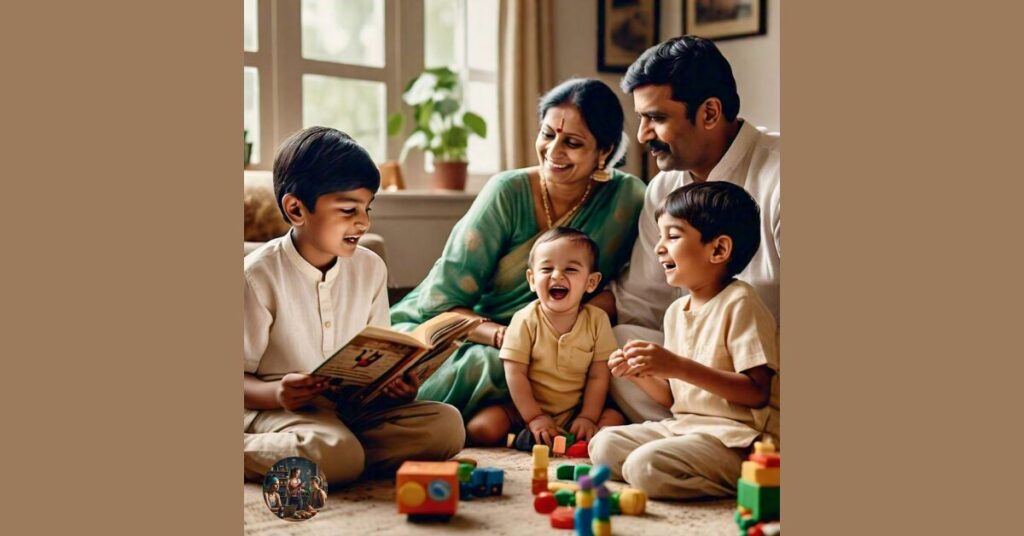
(543, 429)
(649, 359)
(583, 428)
(403, 388)
(617, 364)
(296, 390)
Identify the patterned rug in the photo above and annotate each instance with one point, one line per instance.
(368, 507)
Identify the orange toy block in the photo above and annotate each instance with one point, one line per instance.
(428, 489)
(760, 475)
(767, 460)
(559, 447)
(540, 473)
(510, 441)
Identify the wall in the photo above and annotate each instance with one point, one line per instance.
(754, 60)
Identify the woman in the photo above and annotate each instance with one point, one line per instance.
(482, 270)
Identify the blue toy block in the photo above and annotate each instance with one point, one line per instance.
(495, 479)
(465, 491)
(584, 522)
(603, 508)
(478, 482)
(600, 474)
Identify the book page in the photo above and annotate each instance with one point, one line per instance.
(363, 360)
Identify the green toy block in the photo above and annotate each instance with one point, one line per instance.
(615, 504)
(762, 501)
(581, 469)
(565, 472)
(465, 470)
(564, 497)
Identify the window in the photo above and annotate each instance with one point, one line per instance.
(345, 63)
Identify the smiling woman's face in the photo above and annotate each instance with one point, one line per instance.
(566, 150)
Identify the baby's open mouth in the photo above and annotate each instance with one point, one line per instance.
(558, 293)
(352, 240)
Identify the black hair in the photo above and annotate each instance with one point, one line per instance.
(598, 105)
(318, 161)
(573, 235)
(718, 208)
(694, 67)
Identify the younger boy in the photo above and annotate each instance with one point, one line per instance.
(555, 352)
(307, 293)
(719, 369)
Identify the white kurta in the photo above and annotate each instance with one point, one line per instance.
(753, 161)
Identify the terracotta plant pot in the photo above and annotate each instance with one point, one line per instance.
(450, 175)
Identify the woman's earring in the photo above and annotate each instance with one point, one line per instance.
(601, 174)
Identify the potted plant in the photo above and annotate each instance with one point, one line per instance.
(441, 126)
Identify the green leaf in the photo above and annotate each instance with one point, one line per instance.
(475, 124)
(423, 113)
(455, 138)
(421, 90)
(395, 122)
(446, 78)
(448, 106)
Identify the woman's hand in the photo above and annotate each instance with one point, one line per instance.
(489, 333)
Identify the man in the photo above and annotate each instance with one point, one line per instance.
(685, 94)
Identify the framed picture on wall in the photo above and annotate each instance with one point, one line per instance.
(725, 19)
(625, 28)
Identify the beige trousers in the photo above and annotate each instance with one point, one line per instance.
(378, 443)
(666, 466)
(635, 404)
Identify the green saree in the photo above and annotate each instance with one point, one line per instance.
(483, 268)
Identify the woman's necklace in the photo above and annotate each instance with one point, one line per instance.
(547, 201)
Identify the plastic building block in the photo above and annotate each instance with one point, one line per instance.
(600, 474)
(565, 497)
(524, 441)
(563, 517)
(602, 527)
(465, 491)
(580, 470)
(584, 499)
(584, 520)
(763, 501)
(495, 479)
(571, 486)
(470, 461)
(744, 520)
(559, 445)
(585, 482)
(545, 502)
(540, 456)
(764, 447)
(762, 476)
(755, 530)
(478, 482)
(570, 439)
(578, 450)
(427, 489)
(565, 472)
(540, 473)
(767, 460)
(603, 508)
(510, 441)
(615, 503)
(538, 486)
(465, 470)
(632, 501)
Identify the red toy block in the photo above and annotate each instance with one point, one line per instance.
(539, 485)
(578, 450)
(767, 460)
(427, 488)
(545, 503)
(563, 517)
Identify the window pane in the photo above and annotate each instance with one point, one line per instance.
(482, 25)
(251, 107)
(482, 99)
(442, 34)
(355, 107)
(249, 26)
(344, 31)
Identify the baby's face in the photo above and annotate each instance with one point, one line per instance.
(561, 274)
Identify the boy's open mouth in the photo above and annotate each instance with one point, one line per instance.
(351, 240)
(669, 266)
(558, 293)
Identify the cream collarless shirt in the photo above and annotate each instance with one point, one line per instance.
(752, 161)
(295, 316)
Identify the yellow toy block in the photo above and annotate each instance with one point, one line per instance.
(584, 498)
(764, 447)
(540, 473)
(540, 456)
(510, 441)
(555, 486)
(760, 475)
(632, 501)
(602, 528)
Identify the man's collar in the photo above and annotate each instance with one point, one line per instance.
(725, 168)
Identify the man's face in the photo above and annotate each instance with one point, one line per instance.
(675, 142)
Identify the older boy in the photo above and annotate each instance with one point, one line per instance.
(307, 293)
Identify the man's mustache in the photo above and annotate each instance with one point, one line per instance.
(655, 145)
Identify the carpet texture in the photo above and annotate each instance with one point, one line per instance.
(368, 507)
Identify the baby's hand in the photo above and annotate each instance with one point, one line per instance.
(583, 428)
(543, 429)
(649, 359)
(402, 388)
(617, 364)
(297, 390)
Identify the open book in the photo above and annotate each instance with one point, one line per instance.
(377, 356)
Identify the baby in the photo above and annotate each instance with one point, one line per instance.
(555, 350)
